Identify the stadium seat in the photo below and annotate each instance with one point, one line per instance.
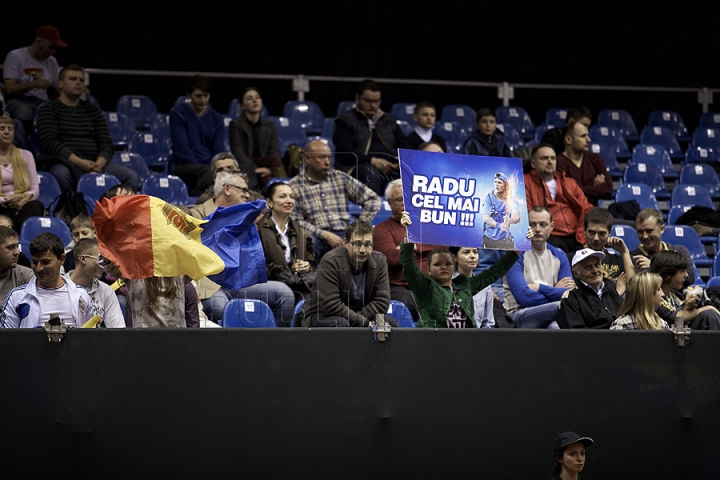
(404, 111)
(166, 187)
(691, 195)
(664, 137)
(383, 214)
(247, 313)
(151, 149)
(621, 120)
(556, 117)
(710, 120)
(94, 185)
(120, 127)
(34, 226)
(707, 138)
(289, 132)
(134, 162)
(141, 110)
(49, 188)
(463, 115)
(512, 137)
(406, 127)
(698, 154)
(657, 156)
(454, 135)
(344, 106)
(671, 120)
(518, 118)
(305, 113)
(686, 236)
(638, 192)
(613, 136)
(400, 312)
(180, 100)
(701, 174)
(607, 152)
(648, 175)
(714, 281)
(328, 127)
(628, 234)
(676, 212)
(298, 307)
(539, 132)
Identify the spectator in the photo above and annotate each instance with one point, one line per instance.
(586, 168)
(81, 226)
(644, 298)
(29, 72)
(486, 139)
(367, 140)
(547, 187)
(288, 247)
(198, 134)
(555, 136)
(424, 117)
(224, 161)
(48, 293)
(254, 142)
(537, 281)
(352, 284)
(466, 261)
(650, 226)
(119, 190)
(444, 300)
(322, 194)
(11, 274)
(570, 455)
(20, 186)
(74, 137)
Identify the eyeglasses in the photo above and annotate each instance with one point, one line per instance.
(395, 200)
(242, 189)
(371, 102)
(227, 169)
(358, 244)
(95, 257)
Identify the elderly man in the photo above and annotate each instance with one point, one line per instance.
(321, 199)
(223, 161)
(596, 300)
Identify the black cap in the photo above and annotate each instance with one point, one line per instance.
(566, 438)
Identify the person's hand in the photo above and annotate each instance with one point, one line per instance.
(641, 262)
(506, 224)
(41, 83)
(530, 233)
(383, 165)
(621, 284)
(618, 244)
(14, 201)
(263, 172)
(599, 179)
(534, 286)
(301, 266)
(333, 240)
(97, 168)
(405, 219)
(566, 282)
(85, 165)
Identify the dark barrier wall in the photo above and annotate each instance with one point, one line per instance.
(335, 404)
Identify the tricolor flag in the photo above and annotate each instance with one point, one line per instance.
(147, 237)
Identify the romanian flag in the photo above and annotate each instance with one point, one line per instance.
(147, 237)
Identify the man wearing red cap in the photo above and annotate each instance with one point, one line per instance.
(29, 72)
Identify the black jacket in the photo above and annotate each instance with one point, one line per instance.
(583, 308)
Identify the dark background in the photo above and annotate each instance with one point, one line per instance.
(596, 43)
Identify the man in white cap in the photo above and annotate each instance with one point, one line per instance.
(596, 300)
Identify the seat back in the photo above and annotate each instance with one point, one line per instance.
(247, 313)
(120, 127)
(691, 195)
(638, 192)
(676, 212)
(512, 137)
(611, 135)
(621, 120)
(94, 185)
(404, 111)
(710, 120)
(305, 113)
(296, 310)
(686, 236)
(166, 187)
(134, 162)
(141, 110)
(518, 118)
(707, 138)
(701, 174)
(697, 153)
(150, 148)
(289, 132)
(556, 117)
(657, 156)
(454, 135)
(463, 115)
(648, 175)
(671, 120)
(344, 106)
(664, 137)
(405, 127)
(400, 312)
(34, 226)
(607, 152)
(49, 188)
(628, 234)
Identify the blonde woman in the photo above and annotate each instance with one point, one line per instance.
(644, 295)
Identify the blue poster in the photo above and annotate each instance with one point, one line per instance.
(465, 200)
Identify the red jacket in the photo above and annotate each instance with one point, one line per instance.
(569, 207)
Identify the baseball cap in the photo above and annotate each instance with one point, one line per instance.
(581, 255)
(51, 33)
(501, 176)
(567, 438)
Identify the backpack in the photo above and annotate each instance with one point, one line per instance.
(712, 296)
(69, 205)
(293, 159)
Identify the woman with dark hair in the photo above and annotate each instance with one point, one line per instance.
(466, 261)
(569, 455)
(20, 186)
(288, 247)
(254, 141)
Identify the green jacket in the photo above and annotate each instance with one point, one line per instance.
(434, 300)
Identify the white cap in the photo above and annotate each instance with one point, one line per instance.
(581, 255)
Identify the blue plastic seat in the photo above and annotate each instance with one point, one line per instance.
(305, 113)
(298, 307)
(247, 313)
(404, 111)
(120, 127)
(344, 106)
(383, 214)
(166, 187)
(676, 212)
(648, 175)
(657, 156)
(698, 154)
(539, 132)
(405, 127)
(463, 115)
(639, 192)
(94, 185)
(701, 174)
(707, 138)
(621, 120)
(607, 152)
(328, 128)
(714, 281)
(710, 120)
(628, 234)
(152, 149)
(34, 226)
(691, 195)
(400, 312)
(512, 137)
(671, 120)
(686, 236)
(518, 118)
(134, 162)
(289, 132)
(49, 188)
(454, 135)
(141, 110)
(611, 135)
(556, 117)
(664, 137)
(180, 100)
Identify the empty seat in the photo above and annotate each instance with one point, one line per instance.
(512, 137)
(611, 135)
(639, 192)
(404, 111)
(121, 128)
(34, 226)
(134, 162)
(621, 120)
(305, 113)
(664, 137)
(556, 117)
(141, 110)
(710, 120)
(607, 152)
(166, 187)
(691, 195)
(405, 127)
(648, 175)
(94, 185)
(454, 135)
(671, 120)
(289, 132)
(539, 132)
(628, 234)
(696, 153)
(657, 156)
(518, 118)
(247, 313)
(701, 174)
(707, 138)
(463, 115)
(344, 106)
(400, 312)
(686, 236)
(49, 188)
(153, 150)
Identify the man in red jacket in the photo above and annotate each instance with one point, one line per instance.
(545, 186)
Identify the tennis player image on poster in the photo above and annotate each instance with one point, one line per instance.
(463, 200)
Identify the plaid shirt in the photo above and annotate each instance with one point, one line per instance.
(324, 206)
(627, 322)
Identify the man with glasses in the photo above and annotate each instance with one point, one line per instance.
(230, 188)
(352, 284)
(86, 274)
(367, 139)
(222, 162)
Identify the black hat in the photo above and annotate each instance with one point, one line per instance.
(566, 438)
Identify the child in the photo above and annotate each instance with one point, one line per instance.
(80, 227)
(425, 117)
(486, 140)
